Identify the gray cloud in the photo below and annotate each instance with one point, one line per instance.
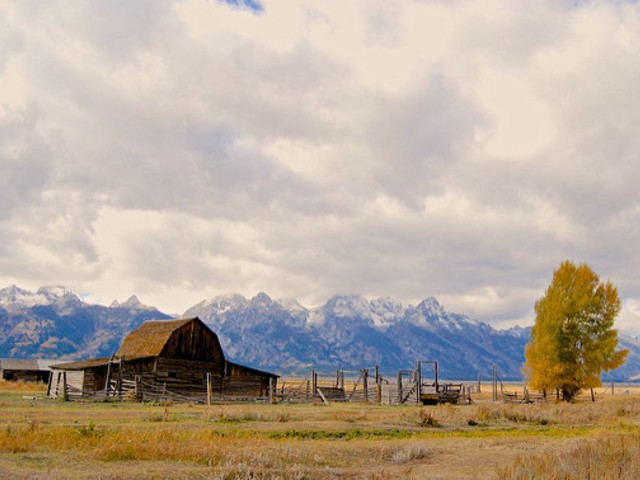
(180, 150)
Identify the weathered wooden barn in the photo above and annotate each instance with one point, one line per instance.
(25, 370)
(169, 359)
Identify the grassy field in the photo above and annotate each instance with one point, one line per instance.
(42, 438)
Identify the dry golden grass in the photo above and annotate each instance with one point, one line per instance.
(603, 458)
(22, 386)
(43, 438)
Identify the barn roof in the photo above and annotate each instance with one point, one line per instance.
(149, 339)
(25, 364)
(82, 364)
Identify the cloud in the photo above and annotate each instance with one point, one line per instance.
(461, 149)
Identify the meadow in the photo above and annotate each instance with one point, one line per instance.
(42, 438)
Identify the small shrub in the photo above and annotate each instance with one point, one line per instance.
(88, 431)
(410, 451)
(427, 419)
(283, 417)
(155, 417)
(486, 413)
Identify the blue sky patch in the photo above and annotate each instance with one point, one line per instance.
(249, 4)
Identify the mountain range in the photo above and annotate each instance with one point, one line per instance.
(347, 332)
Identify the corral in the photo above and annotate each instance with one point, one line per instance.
(368, 385)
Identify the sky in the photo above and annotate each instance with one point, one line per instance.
(179, 150)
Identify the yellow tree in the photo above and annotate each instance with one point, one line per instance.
(573, 340)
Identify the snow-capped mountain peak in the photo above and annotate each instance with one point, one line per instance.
(13, 294)
(15, 297)
(55, 292)
(386, 311)
(261, 301)
(348, 306)
(133, 302)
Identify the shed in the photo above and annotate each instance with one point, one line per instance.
(26, 370)
(177, 359)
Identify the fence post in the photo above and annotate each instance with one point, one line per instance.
(270, 394)
(418, 378)
(612, 391)
(119, 381)
(49, 383)
(365, 384)
(315, 384)
(65, 394)
(479, 383)
(342, 379)
(209, 391)
(138, 390)
(495, 383)
(399, 387)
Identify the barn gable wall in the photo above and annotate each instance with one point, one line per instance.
(193, 341)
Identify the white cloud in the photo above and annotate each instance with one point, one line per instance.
(461, 149)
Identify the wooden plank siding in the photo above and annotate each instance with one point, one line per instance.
(94, 379)
(193, 341)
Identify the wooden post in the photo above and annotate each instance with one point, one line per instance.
(479, 384)
(365, 384)
(65, 394)
(119, 381)
(271, 396)
(58, 384)
(209, 389)
(138, 388)
(106, 383)
(49, 383)
(315, 385)
(418, 379)
(495, 383)
(338, 379)
(612, 389)
(342, 379)
(307, 391)
(435, 371)
(399, 387)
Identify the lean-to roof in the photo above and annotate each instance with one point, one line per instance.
(82, 364)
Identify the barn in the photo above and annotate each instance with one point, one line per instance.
(167, 359)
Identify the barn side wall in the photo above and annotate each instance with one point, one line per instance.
(94, 379)
(40, 376)
(188, 376)
(243, 381)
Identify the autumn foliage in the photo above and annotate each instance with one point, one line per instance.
(573, 340)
